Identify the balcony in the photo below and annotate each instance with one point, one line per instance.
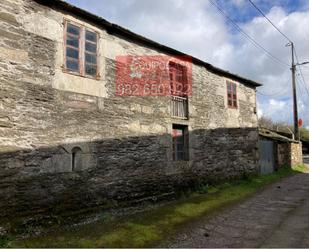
(179, 107)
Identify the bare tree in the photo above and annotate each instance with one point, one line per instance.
(266, 123)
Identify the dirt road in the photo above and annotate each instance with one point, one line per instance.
(278, 216)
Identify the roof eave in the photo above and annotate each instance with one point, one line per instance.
(114, 28)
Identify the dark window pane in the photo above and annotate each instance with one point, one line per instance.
(90, 47)
(235, 103)
(180, 155)
(72, 41)
(72, 29)
(180, 143)
(179, 77)
(72, 65)
(234, 88)
(91, 70)
(91, 36)
(230, 103)
(180, 147)
(91, 58)
(72, 53)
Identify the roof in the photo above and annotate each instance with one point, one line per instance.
(264, 132)
(116, 29)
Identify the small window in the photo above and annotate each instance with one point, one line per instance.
(180, 143)
(76, 163)
(231, 95)
(81, 50)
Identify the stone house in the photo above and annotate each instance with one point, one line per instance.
(68, 142)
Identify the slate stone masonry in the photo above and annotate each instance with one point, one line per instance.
(63, 150)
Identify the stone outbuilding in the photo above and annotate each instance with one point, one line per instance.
(69, 142)
(277, 151)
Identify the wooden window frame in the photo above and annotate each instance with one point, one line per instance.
(82, 50)
(234, 97)
(185, 134)
(174, 70)
(178, 97)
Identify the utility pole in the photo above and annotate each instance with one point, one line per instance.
(293, 69)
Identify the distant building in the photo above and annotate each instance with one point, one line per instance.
(305, 147)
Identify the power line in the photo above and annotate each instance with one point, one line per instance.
(306, 90)
(305, 66)
(256, 44)
(259, 10)
(272, 95)
(301, 74)
(299, 90)
(304, 100)
(303, 81)
(293, 68)
(277, 93)
(301, 99)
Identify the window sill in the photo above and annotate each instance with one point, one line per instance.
(182, 118)
(97, 78)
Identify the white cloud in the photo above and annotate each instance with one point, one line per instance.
(278, 105)
(276, 108)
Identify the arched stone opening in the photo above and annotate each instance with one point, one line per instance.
(77, 161)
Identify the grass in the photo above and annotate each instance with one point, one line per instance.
(304, 134)
(151, 227)
(300, 168)
(5, 240)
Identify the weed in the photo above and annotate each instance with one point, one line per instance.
(5, 240)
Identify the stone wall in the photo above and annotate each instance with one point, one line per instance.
(296, 154)
(289, 154)
(120, 147)
(284, 155)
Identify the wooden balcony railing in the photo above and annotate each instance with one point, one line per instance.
(179, 107)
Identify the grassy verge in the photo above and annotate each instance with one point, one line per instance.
(148, 228)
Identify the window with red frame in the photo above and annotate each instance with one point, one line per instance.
(231, 95)
(80, 50)
(178, 79)
(180, 143)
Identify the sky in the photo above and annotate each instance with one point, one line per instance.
(196, 27)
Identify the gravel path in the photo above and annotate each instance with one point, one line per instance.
(278, 216)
